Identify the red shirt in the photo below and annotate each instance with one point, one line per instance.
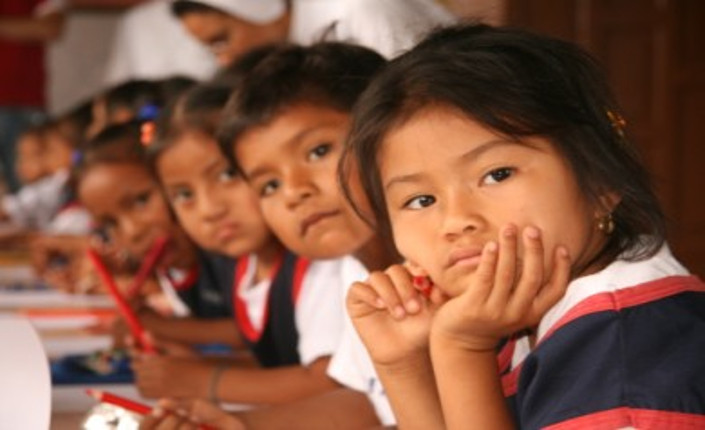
(22, 74)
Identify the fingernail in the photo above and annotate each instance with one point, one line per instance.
(412, 305)
(532, 232)
(379, 303)
(157, 411)
(491, 246)
(562, 251)
(510, 231)
(399, 312)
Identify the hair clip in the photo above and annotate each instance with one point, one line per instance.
(148, 112)
(618, 122)
(76, 157)
(147, 131)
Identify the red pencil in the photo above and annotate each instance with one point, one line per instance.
(114, 399)
(132, 322)
(150, 260)
(127, 404)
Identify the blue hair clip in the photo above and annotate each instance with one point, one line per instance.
(76, 157)
(148, 112)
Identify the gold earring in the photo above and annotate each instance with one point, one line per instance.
(606, 224)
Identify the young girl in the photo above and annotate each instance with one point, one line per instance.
(285, 128)
(115, 185)
(284, 306)
(498, 162)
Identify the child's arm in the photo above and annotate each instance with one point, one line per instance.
(340, 409)
(505, 295)
(232, 384)
(193, 331)
(393, 319)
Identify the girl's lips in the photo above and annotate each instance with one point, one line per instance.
(464, 257)
(314, 219)
(227, 232)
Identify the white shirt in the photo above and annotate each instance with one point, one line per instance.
(151, 43)
(387, 26)
(351, 365)
(35, 204)
(319, 321)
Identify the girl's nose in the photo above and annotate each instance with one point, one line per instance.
(211, 207)
(460, 215)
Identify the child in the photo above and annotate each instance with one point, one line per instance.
(497, 161)
(284, 306)
(115, 185)
(285, 128)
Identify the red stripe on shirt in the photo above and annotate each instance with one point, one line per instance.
(642, 419)
(629, 297)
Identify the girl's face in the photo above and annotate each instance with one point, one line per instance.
(291, 163)
(126, 202)
(29, 163)
(228, 37)
(217, 209)
(451, 185)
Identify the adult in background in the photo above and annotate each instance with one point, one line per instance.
(231, 27)
(25, 26)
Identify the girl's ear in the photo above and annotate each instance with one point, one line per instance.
(607, 202)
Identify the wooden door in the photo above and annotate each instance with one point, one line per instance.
(654, 54)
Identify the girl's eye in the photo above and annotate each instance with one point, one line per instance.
(268, 188)
(498, 175)
(319, 151)
(227, 175)
(181, 196)
(420, 202)
(142, 199)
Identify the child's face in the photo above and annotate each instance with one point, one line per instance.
(228, 37)
(451, 184)
(28, 164)
(126, 202)
(217, 209)
(291, 163)
(58, 152)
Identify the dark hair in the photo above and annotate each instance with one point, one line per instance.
(181, 8)
(133, 95)
(330, 74)
(199, 109)
(519, 84)
(115, 144)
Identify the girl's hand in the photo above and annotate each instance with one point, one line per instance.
(189, 414)
(507, 294)
(391, 315)
(155, 376)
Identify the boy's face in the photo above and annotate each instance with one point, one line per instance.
(217, 209)
(58, 152)
(28, 164)
(292, 163)
(127, 203)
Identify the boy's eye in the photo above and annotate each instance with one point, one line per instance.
(268, 188)
(498, 175)
(420, 202)
(319, 151)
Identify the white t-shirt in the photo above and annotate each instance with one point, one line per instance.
(35, 204)
(151, 43)
(319, 321)
(387, 26)
(351, 365)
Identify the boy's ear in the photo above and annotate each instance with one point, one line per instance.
(415, 269)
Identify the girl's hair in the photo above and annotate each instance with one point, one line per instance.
(199, 109)
(518, 84)
(329, 74)
(116, 144)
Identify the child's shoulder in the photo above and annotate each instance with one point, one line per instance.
(622, 284)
